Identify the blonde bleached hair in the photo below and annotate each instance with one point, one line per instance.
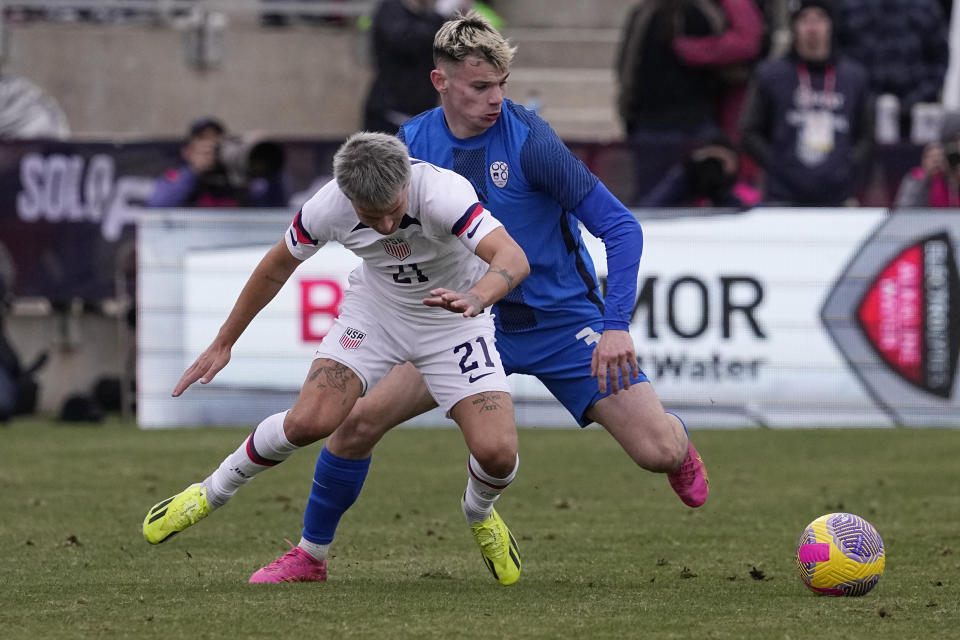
(471, 33)
(372, 169)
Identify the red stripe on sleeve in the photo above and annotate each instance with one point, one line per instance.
(464, 223)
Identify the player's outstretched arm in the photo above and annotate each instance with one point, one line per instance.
(508, 266)
(266, 280)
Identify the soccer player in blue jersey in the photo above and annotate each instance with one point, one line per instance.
(555, 325)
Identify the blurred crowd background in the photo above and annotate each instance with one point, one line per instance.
(690, 79)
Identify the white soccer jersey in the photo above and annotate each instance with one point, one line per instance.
(433, 246)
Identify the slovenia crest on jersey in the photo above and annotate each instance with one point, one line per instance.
(499, 173)
(396, 247)
(351, 338)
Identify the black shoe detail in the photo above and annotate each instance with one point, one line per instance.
(490, 566)
(162, 504)
(157, 516)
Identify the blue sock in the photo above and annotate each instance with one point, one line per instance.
(336, 484)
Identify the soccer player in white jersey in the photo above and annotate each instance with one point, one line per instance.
(429, 248)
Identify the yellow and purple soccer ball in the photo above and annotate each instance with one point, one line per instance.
(840, 554)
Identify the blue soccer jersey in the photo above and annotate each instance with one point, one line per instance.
(538, 189)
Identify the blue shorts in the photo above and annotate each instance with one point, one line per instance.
(561, 361)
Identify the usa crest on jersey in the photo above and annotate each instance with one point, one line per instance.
(351, 338)
(396, 247)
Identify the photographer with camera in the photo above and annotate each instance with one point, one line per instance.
(202, 181)
(222, 171)
(707, 177)
(936, 182)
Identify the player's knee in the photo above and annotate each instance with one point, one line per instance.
(302, 429)
(357, 435)
(497, 458)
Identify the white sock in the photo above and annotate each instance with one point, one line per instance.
(483, 490)
(266, 447)
(318, 551)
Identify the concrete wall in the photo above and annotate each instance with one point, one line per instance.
(550, 14)
(133, 81)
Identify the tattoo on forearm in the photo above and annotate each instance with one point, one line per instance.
(489, 401)
(506, 275)
(336, 375)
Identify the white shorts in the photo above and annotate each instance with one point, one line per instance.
(456, 359)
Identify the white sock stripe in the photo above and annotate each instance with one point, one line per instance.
(270, 441)
(481, 476)
(498, 487)
(250, 458)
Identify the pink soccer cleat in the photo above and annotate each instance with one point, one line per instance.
(690, 481)
(295, 565)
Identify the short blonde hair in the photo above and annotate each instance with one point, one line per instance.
(372, 169)
(468, 34)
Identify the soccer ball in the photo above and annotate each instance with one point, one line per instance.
(840, 554)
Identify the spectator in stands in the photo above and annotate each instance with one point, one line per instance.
(777, 40)
(402, 40)
(202, 180)
(254, 176)
(707, 177)
(27, 111)
(732, 53)
(807, 120)
(936, 182)
(667, 106)
(901, 43)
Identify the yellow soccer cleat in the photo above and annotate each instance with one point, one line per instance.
(176, 513)
(499, 549)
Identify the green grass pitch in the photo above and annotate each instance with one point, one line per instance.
(608, 550)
